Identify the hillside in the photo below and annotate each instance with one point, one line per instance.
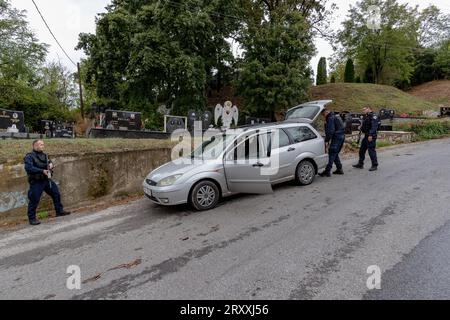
(353, 96)
(435, 91)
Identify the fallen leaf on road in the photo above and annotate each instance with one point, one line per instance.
(128, 265)
(95, 278)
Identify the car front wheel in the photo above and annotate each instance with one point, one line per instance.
(306, 173)
(205, 196)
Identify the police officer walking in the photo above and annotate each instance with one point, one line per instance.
(370, 129)
(39, 169)
(335, 138)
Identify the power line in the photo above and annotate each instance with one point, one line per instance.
(53, 35)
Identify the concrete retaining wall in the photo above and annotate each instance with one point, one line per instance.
(83, 179)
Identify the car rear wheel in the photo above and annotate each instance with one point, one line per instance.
(205, 196)
(306, 173)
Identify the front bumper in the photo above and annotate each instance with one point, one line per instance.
(167, 196)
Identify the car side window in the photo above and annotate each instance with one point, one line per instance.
(283, 139)
(254, 147)
(301, 134)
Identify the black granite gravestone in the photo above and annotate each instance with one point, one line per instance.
(10, 118)
(122, 120)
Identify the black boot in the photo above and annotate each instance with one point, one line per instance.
(374, 168)
(63, 214)
(358, 166)
(35, 222)
(325, 174)
(339, 172)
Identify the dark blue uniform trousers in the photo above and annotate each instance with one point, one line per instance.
(333, 154)
(371, 146)
(35, 194)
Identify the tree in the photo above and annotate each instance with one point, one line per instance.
(387, 51)
(41, 91)
(277, 39)
(434, 27)
(443, 59)
(333, 79)
(21, 54)
(147, 53)
(425, 68)
(349, 71)
(58, 82)
(322, 72)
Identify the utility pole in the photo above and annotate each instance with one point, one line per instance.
(81, 91)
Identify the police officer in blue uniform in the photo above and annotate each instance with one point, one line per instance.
(335, 138)
(370, 129)
(39, 170)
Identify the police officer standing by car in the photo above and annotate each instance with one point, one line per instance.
(370, 129)
(335, 138)
(39, 169)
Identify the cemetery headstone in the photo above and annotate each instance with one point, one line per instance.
(228, 113)
(172, 123)
(10, 118)
(122, 120)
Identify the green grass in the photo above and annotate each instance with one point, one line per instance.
(43, 215)
(14, 150)
(437, 91)
(354, 146)
(354, 96)
(384, 144)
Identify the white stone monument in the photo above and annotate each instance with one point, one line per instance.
(228, 113)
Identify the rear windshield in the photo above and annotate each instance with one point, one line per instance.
(306, 112)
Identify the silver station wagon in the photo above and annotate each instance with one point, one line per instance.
(247, 160)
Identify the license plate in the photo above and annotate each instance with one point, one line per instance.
(148, 192)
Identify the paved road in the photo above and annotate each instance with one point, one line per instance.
(298, 243)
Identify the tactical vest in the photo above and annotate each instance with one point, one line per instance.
(39, 164)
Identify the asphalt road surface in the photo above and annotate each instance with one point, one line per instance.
(313, 242)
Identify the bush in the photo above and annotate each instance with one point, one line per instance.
(427, 130)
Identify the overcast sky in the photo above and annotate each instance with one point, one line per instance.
(68, 18)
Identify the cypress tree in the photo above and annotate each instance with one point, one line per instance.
(349, 75)
(322, 72)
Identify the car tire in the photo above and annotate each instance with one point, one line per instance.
(205, 196)
(305, 173)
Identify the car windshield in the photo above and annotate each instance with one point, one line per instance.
(214, 147)
(307, 111)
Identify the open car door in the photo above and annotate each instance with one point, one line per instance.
(245, 163)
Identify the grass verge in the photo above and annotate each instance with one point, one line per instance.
(15, 150)
(426, 130)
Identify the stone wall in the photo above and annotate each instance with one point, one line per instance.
(391, 136)
(84, 179)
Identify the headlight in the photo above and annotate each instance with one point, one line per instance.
(169, 180)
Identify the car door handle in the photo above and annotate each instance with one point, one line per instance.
(258, 165)
(291, 149)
